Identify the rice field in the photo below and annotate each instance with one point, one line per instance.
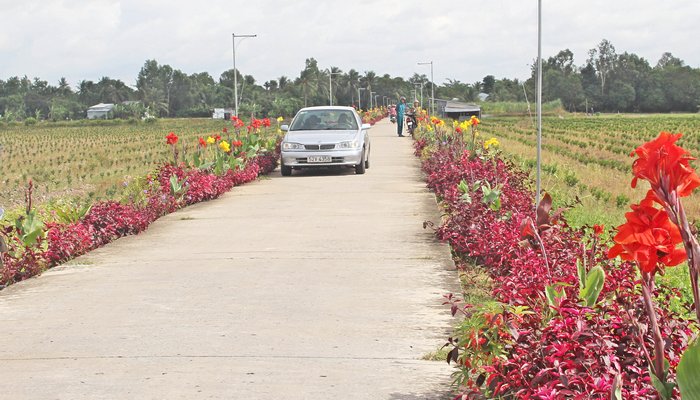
(87, 159)
(589, 156)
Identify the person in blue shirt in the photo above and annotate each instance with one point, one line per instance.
(400, 112)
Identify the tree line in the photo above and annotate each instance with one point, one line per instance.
(606, 82)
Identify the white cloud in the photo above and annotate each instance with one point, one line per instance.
(467, 40)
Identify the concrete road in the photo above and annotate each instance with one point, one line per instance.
(322, 285)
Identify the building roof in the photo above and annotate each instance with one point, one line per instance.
(102, 107)
(452, 106)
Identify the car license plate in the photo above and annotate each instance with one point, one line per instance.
(319, 159)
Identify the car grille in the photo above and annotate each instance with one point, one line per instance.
(319, 147)
(334, 160)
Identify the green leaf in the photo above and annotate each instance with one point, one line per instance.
(616, 388)
(553, 295)
(31, 227)
(581, 268)
(176, 187)
(595, 279)
(665, 389)
(206, 166)
(688, 372)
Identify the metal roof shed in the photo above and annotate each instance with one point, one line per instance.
(100, 111)
(457, 110)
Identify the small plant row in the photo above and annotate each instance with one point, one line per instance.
(32, 245)
(567, 321)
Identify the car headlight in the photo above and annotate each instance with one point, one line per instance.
(292, 146)
(350, 144)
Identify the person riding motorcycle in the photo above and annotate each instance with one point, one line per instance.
(412, 117)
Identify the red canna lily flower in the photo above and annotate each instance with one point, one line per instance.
(665, 165)
(598, 229)
(171, 138)
(237, 143)
(649, 238)
(458, 130)
(527, 230)
(217, 137)
(266, 122)
(202, 142)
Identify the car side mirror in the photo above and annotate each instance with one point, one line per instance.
(366, 126)
(284, 128)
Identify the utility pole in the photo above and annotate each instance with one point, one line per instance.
(432, 86)
(539, 101)
(359, 98)
(235, 72)
(330, 85)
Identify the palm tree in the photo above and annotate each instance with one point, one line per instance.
(369, 79)
(282, 82)
(353, 80)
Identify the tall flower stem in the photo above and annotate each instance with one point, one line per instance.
(658, 360)
(676, 213)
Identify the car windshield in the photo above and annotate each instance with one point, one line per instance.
(324, 120)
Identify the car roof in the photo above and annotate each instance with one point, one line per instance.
(337, 108)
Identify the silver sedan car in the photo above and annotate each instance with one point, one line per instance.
(324, 137)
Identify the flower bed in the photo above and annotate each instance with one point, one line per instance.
(546, 337)
(34, 246)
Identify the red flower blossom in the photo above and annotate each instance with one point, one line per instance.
(202, 142)
(458, 130)
(665, 165)
(171, 138)
(237, 122)
(225, 130)
(266, 122)
(217, 137)
(598, 229)
(237, 143)
(649, 238)
(255, 124)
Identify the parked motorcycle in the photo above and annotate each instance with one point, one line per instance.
(411, 123)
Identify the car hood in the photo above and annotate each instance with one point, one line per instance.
(316, 137)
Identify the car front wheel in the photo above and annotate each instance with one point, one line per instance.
(360, 168)
(286, 171)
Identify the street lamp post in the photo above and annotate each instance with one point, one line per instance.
(235, 72)
(432, 87)
(330, 85)
(371, 93)
(539, 101)
(376, 103)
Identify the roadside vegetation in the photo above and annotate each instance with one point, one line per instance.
(564, 317)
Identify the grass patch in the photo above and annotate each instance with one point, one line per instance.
(437, 355)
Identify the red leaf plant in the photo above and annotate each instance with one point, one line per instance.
(567, 351)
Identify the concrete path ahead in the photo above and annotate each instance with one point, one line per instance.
(315, 286)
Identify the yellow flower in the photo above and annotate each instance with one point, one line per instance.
(280, 119)
(491, 142)
(224, 146)
(211, 140)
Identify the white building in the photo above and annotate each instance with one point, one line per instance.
(100, 111)
(222, 113)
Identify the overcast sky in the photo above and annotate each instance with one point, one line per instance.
(466, 39)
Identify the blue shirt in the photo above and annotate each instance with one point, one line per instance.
(401, 109)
